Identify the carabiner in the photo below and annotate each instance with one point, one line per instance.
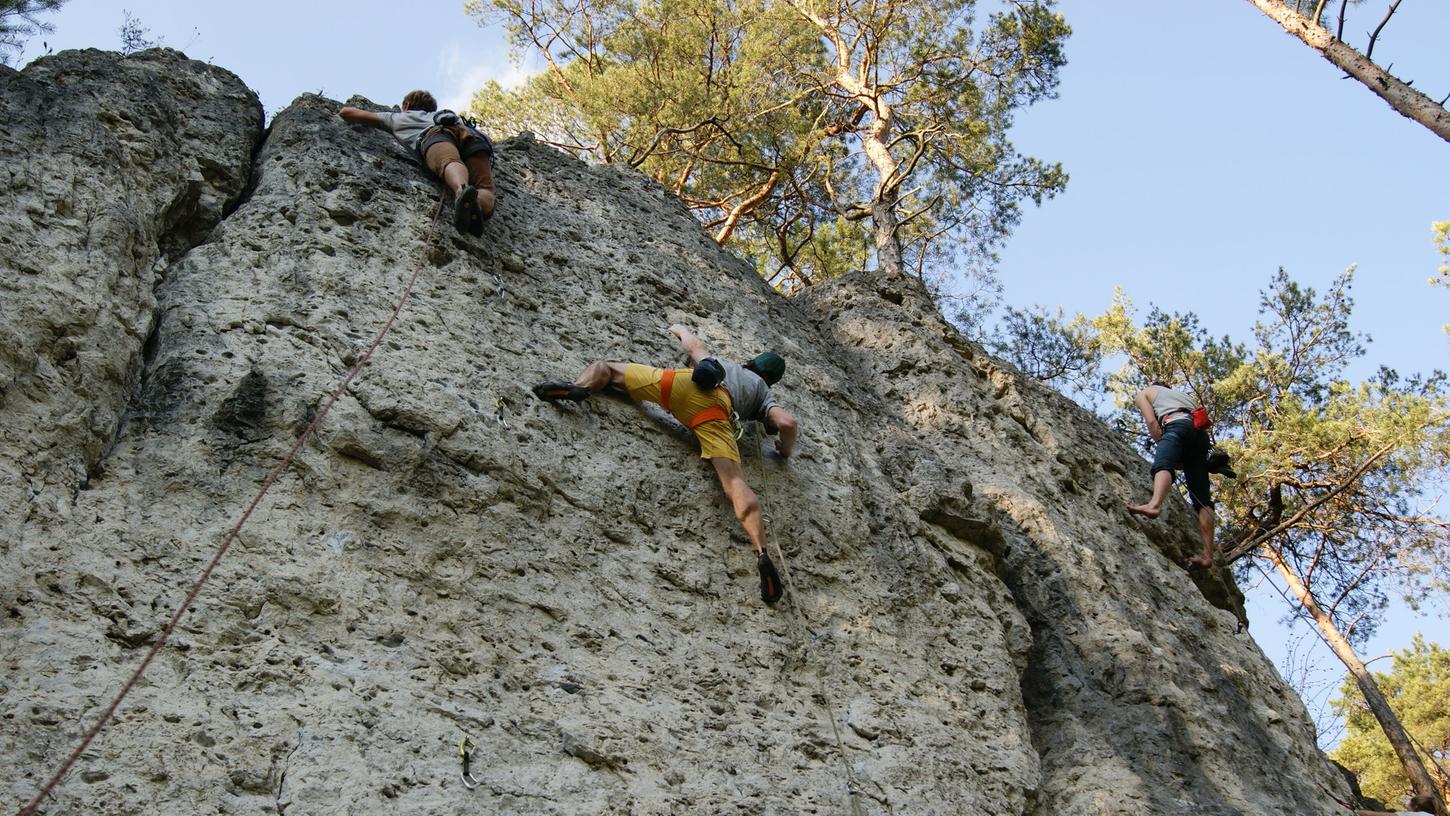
(465, 750)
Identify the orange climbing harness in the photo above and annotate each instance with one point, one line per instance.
(713, 413)
(221, 550)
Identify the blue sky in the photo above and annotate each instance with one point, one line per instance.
(1206, 149)
(381, 50)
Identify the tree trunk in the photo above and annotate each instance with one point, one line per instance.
(883, 203)
(1408, 101)
(1378, 705)
(875, 141)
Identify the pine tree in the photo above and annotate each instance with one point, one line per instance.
(19, 21)
(1418, 685)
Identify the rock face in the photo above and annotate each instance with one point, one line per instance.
(972, 624)
(112, 168)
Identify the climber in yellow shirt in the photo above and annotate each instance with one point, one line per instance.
(708, 399)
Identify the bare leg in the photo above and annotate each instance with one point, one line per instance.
(480, 174)
(1161, 481)
(599, 375)
(455, 176)
(594, 377)
(742, 499)
(1205, 529)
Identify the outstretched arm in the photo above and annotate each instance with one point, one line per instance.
(361, 117)
(784, 421)
(690, 343)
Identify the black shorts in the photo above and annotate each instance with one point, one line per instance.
(473, 143)
(1183, 447)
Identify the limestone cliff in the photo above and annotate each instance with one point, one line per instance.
(972, 626)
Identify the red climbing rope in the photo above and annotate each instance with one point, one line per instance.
(237, 528)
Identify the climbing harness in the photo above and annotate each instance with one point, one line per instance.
(231, 536)
(1199, 416)
(465, 751)
(702, 416)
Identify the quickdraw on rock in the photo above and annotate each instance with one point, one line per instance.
(465, 752)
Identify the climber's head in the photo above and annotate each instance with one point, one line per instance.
(769, 365)
(419, 101)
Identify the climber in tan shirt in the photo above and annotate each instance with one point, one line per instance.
(1181, 446)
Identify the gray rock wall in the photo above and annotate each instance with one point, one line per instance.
(972, 626)
(112, 168)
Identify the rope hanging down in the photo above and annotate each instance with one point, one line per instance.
(221, 550)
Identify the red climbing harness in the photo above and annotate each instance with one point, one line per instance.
(711, 414)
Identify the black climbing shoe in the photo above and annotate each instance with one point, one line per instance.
(466, 216)
(555, 391)
(475, 225)
(770, 587)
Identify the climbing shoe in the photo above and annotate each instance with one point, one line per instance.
(770, 587)
(466, 215)
(555, 391)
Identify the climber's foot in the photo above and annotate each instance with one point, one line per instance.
(555, 391)
(1145, 510)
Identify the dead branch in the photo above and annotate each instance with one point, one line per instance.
(639, 158)
(1369, 52)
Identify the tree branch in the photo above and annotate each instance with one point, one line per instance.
(746, 206)
(1259, 537)
(1406, 100)
(1369, 52)
(640, 157)
(1256, 539)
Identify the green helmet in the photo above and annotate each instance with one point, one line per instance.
(769, 365)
